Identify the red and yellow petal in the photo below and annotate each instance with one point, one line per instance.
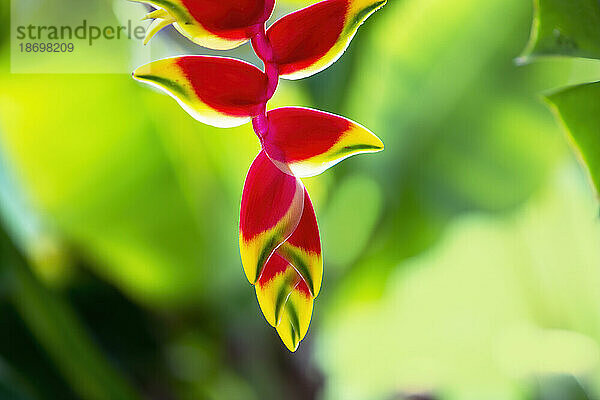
(218, 91)
(272, 204)
(303, 248)
(293, 326)
(291, 278)
(274, 286)
(310, 141)
(219, 25)
(285, 300)
(309, 40)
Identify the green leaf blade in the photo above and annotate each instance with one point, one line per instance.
(565, 28)
(579, 109)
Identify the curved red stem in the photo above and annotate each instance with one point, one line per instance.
(264, 51)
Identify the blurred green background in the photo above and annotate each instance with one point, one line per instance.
(461, 263)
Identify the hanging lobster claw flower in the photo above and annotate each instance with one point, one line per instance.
(272, 204)
(309, 141)
(309, 40)
(219, 25)
(291, 279)
(217, 91)
(279, 238)
(285, 300)
(281, 248)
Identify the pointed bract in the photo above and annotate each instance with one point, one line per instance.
(219, 25)
(285, 300)
(303, 248)
(310, 141)
(309, 40)
(296, 316)
(276, 282)
(291, 279)
(272, 204)
(222, 92)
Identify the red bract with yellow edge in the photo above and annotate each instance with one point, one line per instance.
(217, 91)
(219, 25)
(309, 141)
(279, 238)
(309, 40)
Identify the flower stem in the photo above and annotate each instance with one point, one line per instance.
(264, 51)
(260, 124)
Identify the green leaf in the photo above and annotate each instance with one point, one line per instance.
(579, 109)
(13, 386)
(504, 298)
(357, 199)
(572, 28)
(565, 27)
(458, 145)
(105, 183)
(58, 330)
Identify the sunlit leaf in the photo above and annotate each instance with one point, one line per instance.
(457, 144)
(363, 210)
(272, 204)
(531, 287)
(219, 25)
(572, 28)
(565, 27)
(310, 40)
(129, 216)
(310, 141)
(218, 91)
(579, 109)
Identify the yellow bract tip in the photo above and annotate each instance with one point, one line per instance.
(156, 26)
(158, 13)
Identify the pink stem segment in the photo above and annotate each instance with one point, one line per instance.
(261, 125)
(264, 51)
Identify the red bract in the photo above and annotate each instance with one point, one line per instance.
(220, 25)
(310, 141)
(303, 248)
(218, 91)
(308, 41)
(279, 237)
(231, 16)
(272, 204)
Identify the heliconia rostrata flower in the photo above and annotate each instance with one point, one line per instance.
(279, 237)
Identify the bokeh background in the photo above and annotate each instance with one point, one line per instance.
(461, 263)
